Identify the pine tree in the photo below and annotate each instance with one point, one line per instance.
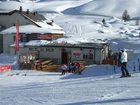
(125, 16)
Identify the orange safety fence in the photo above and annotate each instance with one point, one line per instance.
(4, 68)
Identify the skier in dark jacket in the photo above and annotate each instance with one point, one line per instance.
(71, 67)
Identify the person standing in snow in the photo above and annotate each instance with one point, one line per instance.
(124, 61)
(78, 67)
(103, 21)
(71, 67)
(64, 68)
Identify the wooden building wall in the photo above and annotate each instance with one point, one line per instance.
(65, 55)
(12, 20)
(8, 39)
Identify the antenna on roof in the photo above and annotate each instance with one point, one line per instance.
(27, 11)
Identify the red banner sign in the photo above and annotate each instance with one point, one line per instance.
(4, 68)
(49, 37)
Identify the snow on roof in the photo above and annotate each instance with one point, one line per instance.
(64, 42)
(45, 28)
(47, 25)
(37, 42)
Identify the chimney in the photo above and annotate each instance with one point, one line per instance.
(34, 13)
(20, 8)
(27, 11)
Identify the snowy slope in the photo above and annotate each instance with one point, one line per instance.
(43, 6)
(108, 8)
(12, 5)
(92, 7)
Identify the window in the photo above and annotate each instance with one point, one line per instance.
(85, 56)
(41, 49)
(49, 49)
(24, 38)
(14, 38)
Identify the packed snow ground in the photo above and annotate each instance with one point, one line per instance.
(98, 84)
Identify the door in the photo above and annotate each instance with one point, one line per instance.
(64, 57)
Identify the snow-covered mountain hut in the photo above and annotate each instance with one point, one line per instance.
(88, 53)
(32, 26)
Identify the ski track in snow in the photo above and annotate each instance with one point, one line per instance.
(112, 95)
(42, 93)
(58, 83)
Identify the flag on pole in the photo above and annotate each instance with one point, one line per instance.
(17, 36)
